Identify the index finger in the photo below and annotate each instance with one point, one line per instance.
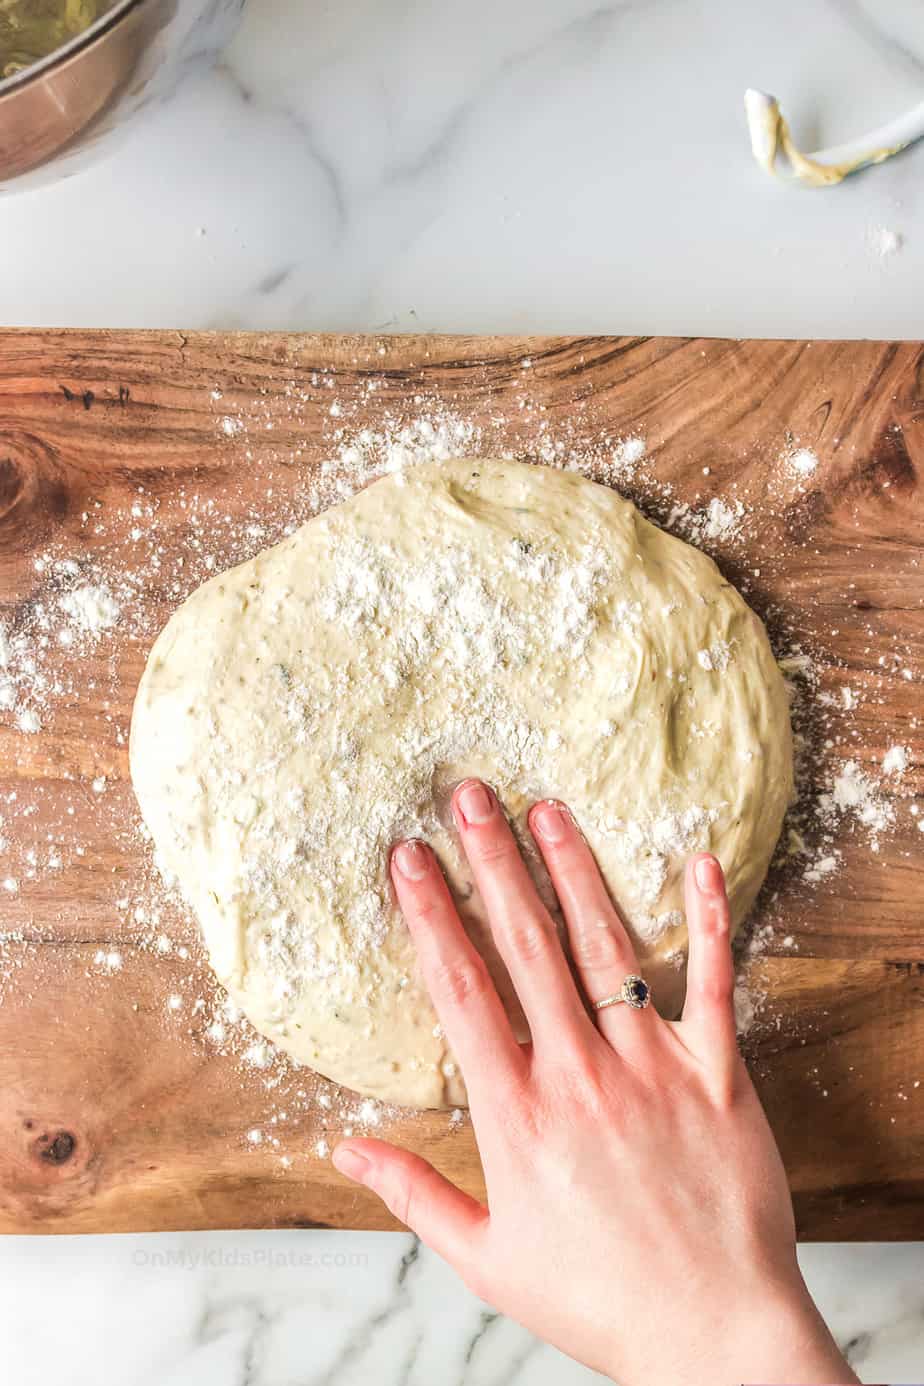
(457, 978)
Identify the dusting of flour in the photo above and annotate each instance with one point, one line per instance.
(94, 598)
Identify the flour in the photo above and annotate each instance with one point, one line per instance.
(883, 242)
(803, 462)
(854, 796)
(32, 682)
(720, 521)
(109, 961)
(89, 610)
(438, 606)
(258, 1055)
(820, 866)
(129, 561)
(455, 611)
(832, 797)
(716, 658)
(370, 453)
(748, 1003)
(623, 464)
(895, 760)
(649, 846)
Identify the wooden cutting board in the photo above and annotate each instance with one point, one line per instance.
(133, 464)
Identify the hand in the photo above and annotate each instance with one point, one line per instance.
(639, 1218)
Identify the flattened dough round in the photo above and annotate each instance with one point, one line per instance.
(301, 712)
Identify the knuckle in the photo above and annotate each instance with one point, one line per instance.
(530, 940)
(399, 1197)
(459, 980)
(586, 1088)
(520, 1101)
(526, 1126)
(715, 988)
(726, 1087)
(427, 907)
(492, 848)
(595, 946)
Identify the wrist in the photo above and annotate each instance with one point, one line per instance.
(766, 1334)
(790, 1342)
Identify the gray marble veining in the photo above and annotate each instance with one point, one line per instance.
(348, 1309)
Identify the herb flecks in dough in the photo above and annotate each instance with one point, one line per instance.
(312, 706)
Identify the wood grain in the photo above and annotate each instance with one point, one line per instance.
(116, 1113)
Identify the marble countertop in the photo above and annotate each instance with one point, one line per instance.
(570, 166)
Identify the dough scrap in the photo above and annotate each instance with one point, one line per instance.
(301, 712)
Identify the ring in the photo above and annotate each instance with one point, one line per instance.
(635, 992)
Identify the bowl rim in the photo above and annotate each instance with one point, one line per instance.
(108, 20)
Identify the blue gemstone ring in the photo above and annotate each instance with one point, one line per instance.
(635, 992)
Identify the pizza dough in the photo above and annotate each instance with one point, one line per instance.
(303, 711)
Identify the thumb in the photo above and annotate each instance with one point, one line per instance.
(710, 974)
(445, 1218)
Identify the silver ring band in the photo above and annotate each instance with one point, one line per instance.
(634, 993)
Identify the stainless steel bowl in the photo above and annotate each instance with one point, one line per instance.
(58, 114)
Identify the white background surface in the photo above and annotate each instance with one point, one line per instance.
(385, 165)
(561, 166)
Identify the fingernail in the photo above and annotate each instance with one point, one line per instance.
(475, 802)
(350, 1162)
(708, 875)
(411, 860)
(551, 821)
